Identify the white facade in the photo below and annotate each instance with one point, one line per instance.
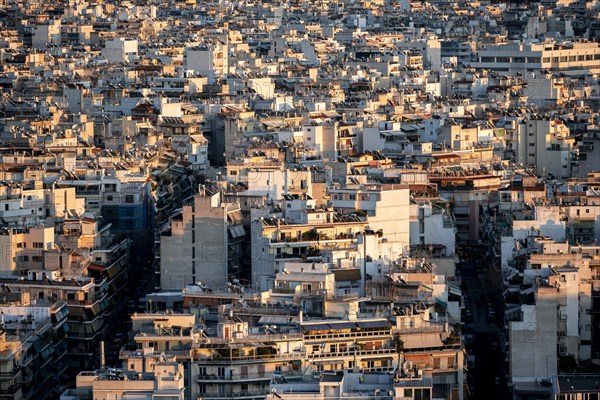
(120, 50)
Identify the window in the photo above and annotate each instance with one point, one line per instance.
(38, 245)
(129, 198)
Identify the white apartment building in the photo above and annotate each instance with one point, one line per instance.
(542, 143)
(120, 50)
(432, 228)
(572, 58)
(211, 60)
(387, 208)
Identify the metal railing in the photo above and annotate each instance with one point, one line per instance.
(243, 377)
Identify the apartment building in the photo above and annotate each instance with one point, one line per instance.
(203, 243)
(432, 228)
(210, 60)
(33, 344)
(387, 209)
(325, 236)
(570, 58)
(164, 382)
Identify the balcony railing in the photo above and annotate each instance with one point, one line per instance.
(352, 352)
(349, 335)
(233, 395)
(251, 357)
(246, 377)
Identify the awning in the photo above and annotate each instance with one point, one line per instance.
(382, 324)
(377, 359)
(342, 325)
(97, 267)
(347, 274)
(417, 359)
(315, 327)
(277, 320)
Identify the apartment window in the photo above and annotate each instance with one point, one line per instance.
(37, 258)
(109, 198)
(38, 245)
(25, 258)
(129, 198)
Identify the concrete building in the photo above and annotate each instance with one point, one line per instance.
(164, 382)
(432, 229)
(572, 58)
(533, 345)
(120, 50)
(211, 60)
(387, 208)
(203, 243)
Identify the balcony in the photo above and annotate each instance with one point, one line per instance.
(261, 394)
(266, 376)
(352, 353)
(218, 358)
(349, 335)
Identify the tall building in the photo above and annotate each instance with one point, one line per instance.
(203, 243)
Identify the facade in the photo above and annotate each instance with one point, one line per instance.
(576, 58)
(204, 244)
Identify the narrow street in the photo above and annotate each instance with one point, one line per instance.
(487, 374)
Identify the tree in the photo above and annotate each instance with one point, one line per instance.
(398, 343)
